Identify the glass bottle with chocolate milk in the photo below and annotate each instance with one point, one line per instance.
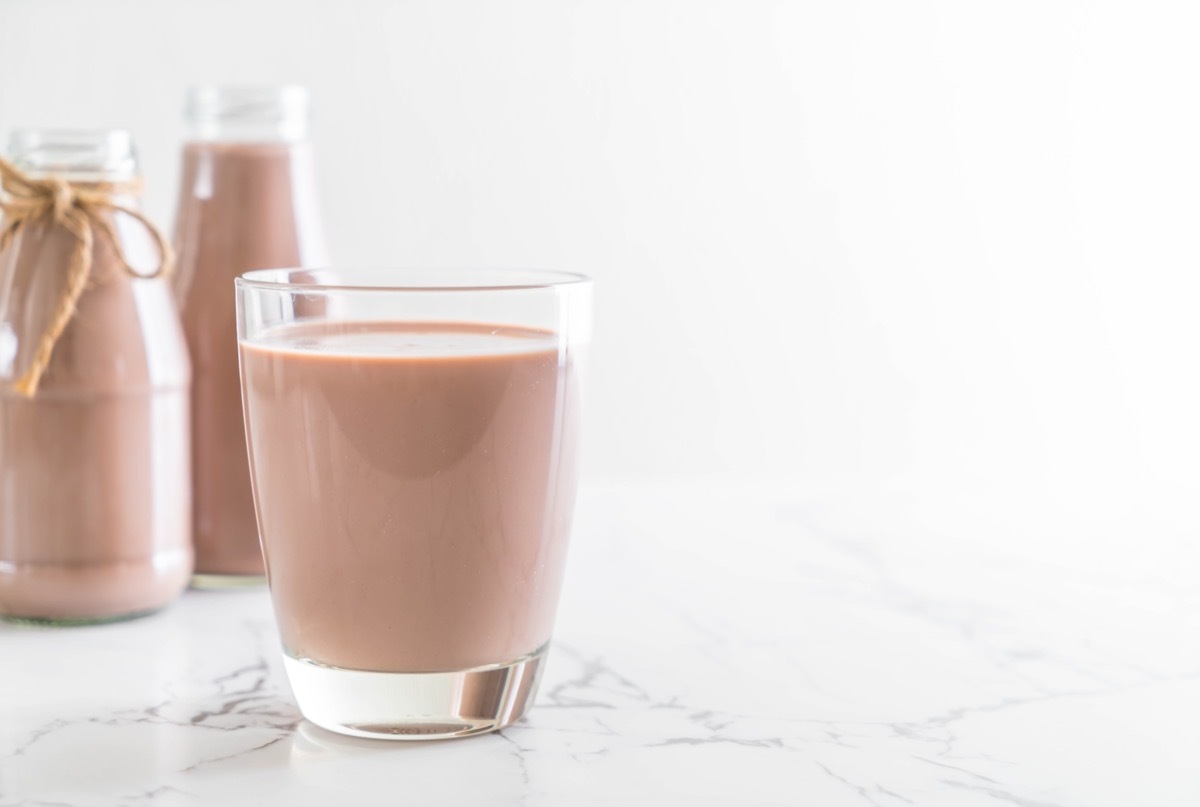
(95, 482)
(248, 200)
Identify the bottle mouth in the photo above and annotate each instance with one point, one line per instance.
(77, 154)
(248, 113)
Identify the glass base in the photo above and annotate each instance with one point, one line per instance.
(218, 582)
(415, 706)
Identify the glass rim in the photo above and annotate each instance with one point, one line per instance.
(402, 279)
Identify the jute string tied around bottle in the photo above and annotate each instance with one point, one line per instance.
(79, 207)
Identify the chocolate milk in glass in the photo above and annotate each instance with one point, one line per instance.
(247, 201)
(415, 484)
(94, 464)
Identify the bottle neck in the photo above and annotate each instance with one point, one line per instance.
(76, 156)
(248, 114)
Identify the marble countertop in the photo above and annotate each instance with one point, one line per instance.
(717, 644)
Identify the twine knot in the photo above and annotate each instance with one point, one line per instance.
(79, 207)
(62, 199)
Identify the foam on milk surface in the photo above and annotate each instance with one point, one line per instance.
(404, 339)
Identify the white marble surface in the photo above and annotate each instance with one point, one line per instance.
(718, 644)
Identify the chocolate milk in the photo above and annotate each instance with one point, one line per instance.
(242, 206)
(415, 485)
(94, 470)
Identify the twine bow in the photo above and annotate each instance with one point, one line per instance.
(78, 207)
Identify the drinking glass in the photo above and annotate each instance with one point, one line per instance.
(413, 441)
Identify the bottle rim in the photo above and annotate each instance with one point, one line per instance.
(77, 154)
(248, 112)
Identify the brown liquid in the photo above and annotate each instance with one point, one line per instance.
(95, 487)
(414, 508)
(242, 206)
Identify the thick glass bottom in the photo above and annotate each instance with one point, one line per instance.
(415, 706)
(219, 582)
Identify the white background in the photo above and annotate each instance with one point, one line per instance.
(943, 253)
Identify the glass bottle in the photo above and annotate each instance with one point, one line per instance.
(248, 200)
(95, 473)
